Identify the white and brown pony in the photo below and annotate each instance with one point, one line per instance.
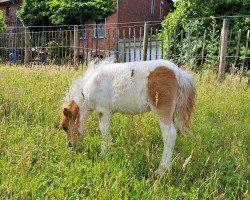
(132, 88)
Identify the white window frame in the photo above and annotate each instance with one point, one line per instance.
(95, 28)
(83, 32)
(161, 10)
(152, 11)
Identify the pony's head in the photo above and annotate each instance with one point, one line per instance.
(70, 122)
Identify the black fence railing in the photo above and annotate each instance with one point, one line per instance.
(73, 45)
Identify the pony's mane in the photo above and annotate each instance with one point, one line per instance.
(97, 63)
(74, 91)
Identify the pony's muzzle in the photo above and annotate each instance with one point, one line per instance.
(65, 128)
(69, 145)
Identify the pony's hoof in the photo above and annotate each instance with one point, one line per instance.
(160, 171)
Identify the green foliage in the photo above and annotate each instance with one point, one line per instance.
(58, 12)
(4, 52)
(195, 17)
(55, 50)
(34, 154)
(76, 12)
(2, 23)
(34, 13)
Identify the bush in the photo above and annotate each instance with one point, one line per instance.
(193, 18)
(2, 23)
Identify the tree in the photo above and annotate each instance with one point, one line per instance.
(76, 12)
(34, 13)
(63, 12)
(194, 16)
(2, 24)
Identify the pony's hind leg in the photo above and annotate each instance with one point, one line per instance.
(169, 136)
(163, 89)
(104, 124)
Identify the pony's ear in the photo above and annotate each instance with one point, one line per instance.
(67, 113)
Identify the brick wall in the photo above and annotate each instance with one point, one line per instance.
(9, 10)
(140, 10)
(92, 42)
(129, 11)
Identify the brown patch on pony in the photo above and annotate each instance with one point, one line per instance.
(132, 72)
(163, 91)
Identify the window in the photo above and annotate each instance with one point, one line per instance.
(7, 11)
(83, 32)
(99, 28)
(152, 7)
(161, 10)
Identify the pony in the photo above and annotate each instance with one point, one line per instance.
(130, 88)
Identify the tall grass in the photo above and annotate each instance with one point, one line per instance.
(210, 162)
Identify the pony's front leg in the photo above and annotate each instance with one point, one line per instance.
(169, 136)
(104, 125)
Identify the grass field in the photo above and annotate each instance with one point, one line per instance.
(35, 163)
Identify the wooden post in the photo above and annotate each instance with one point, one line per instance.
(162, 43)
(109, 42)
(223, 48)
(156, 44)
(203, 47)
(134, 44)
(174, 56)
(97, 44)
(150, 43)
(76, 46)
(140, 42)
(87, 47)
(245, 55)
(181, 47)
(145, 42)
(124, 45)
(27, 47)
(117, 45)
(237, 51)
(189, 46)
(129, 44)
(169, 47)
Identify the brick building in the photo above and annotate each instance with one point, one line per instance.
(9, 8)
(99, 36)
(101, 33)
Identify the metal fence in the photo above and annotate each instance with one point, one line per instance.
(74, 45)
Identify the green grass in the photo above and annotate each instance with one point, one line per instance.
(35, 163)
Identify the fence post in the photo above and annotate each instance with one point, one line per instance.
(223, 48)
(245, 54)
(145, 42)
(27, 46)
(203, 47)
(117, 45)
(76, 46)
(237, 52)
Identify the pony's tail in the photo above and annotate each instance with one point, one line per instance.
(186, 100)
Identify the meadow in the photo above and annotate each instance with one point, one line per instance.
(209, 162)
